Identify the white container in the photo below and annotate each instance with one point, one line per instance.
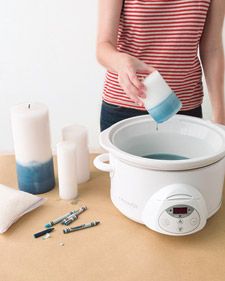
(67, 170)
(161, 102)
(79, 135)
(174, 197)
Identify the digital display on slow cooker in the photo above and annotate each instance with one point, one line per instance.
(179, 210)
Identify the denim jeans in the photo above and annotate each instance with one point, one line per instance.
(111, 114)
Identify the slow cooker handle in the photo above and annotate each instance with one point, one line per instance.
(100, 160)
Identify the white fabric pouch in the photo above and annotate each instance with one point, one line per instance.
(14, 204)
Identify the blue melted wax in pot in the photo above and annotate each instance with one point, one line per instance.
(165, 156)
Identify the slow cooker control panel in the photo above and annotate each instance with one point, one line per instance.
(179, 219)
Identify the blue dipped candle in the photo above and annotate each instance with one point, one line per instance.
(31, 134)
(161, 102)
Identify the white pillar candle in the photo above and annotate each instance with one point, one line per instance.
(32, 144)
(67, 172)
(78, 135)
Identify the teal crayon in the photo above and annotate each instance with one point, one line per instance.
(74, 216)
(80, 227)
(81, 210)
(69, 219)
(58, 220)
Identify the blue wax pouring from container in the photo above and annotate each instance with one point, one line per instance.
(165, 109)
(36, 177)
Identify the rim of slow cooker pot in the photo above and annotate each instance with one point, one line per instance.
(154, 164)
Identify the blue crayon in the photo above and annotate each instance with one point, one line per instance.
(43, 232)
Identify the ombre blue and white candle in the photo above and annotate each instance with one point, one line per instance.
(161, 102)
(32, 144)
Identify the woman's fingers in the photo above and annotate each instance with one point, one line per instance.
(138, 84)
(129, 88)
(143, 67)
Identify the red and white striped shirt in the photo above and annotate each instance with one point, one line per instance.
(166, 35)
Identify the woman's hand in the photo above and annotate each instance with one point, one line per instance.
(127, 68)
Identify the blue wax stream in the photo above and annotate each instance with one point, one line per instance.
(166, 109)
(36, 177)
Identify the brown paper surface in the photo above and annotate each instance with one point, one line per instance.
(118, 249)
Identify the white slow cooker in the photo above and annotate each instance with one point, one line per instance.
(174, 197)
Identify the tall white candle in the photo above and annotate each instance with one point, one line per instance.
(78, 135)
(67, 172)
(32, 144)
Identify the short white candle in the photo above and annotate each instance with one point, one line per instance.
(67, 172)
(78, 135)
(32, 143)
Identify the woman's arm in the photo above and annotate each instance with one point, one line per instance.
(108, 22)
(124, 64)
(212, 57)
